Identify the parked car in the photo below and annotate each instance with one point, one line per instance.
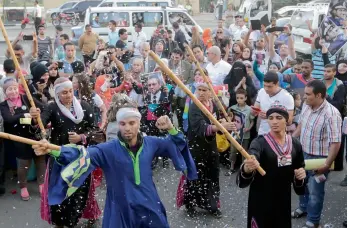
(52, 13)
(127, 17)
(129, 3)
(81, 8)
(312, 13)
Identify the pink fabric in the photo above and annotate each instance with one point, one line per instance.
(17, 102)
(44, 207)
(151, 115)
(180, 192)
(98, 177)
(91, 210)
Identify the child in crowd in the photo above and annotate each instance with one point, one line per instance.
(241, 106)
(297, 112)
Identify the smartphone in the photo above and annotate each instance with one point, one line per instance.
(28, 37)
(60, 65)
(275, 29)
(42, 81)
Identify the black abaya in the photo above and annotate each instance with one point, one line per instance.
(269, 203)
(205, 191)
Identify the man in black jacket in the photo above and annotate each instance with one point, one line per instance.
(179, 36)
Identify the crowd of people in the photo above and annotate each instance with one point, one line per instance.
(281, 108)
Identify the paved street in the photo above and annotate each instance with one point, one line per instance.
(20, 214)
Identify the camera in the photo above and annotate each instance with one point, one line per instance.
(28, 37)
(60, 65)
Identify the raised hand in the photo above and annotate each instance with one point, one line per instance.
(164, 123)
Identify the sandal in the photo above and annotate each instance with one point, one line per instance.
(298, 213)
(25, 194)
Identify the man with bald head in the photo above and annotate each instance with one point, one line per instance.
(217, 68)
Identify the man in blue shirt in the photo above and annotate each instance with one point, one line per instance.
(70, 57)
(113, 34)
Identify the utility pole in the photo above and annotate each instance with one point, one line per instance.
(221, 5)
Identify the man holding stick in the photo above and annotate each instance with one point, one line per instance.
(132, 199)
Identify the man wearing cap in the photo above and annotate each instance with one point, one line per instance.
(282, 158)
(339, 13)
(132, 199)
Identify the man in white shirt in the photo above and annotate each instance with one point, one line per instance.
(37, 16)
(138, 38)
(272, 93)
(217, 68)
(238, 28)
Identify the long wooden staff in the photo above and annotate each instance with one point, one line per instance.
(26, 140)
(18, 69)
(205, 77)
(203, 109)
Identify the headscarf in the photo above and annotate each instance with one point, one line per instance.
(38, 71)
(14, 102)
(342, 77)
(207, 39)
(9, 82)
(59, 86)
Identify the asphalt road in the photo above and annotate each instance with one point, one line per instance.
(20, 214)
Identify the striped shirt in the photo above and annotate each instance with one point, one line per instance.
(44, 47)
(320, 128)
(317, 58)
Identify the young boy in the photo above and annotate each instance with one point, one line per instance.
(241, 106)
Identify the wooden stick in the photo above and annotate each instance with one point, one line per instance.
(19, 71)
(205, 77)
(203, 108)
(26, 140)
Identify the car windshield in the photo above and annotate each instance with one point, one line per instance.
(299, 18)
(101, 20)
(68, 5)
(127, 4)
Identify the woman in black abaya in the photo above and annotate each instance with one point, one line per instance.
(281, 157)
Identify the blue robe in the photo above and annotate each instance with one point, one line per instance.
(132, 199)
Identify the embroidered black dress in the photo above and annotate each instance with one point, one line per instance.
(269, 203)
(205, 191)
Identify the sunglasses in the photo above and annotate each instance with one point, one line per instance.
(218, 32)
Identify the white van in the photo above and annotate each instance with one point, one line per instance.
(314, 13)
(127, 17)
(130, 3)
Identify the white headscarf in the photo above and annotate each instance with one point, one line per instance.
(76, 104)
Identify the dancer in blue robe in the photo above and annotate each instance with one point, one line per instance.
(132, 200)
